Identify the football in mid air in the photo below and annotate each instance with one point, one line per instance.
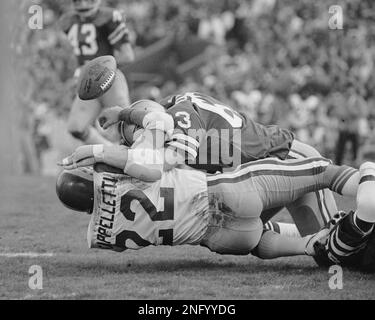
(97, 77)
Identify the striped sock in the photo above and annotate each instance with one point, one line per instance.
(339, 176)
(285, 229)
(346, 239)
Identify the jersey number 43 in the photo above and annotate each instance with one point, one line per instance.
(83, 39)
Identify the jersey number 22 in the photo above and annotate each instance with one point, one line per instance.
(148, 206)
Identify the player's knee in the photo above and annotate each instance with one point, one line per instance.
(366, 204)
(232, 243)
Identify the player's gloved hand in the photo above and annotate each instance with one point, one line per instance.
(83, 156)
(109, 117)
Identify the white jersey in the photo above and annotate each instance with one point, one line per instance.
(131, 214)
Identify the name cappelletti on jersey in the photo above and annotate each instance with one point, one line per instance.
(130, 214)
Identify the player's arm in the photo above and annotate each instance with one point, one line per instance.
(119, 38)
(125, 54)
(63, 30)
(61, 27)
(141, 162)
(149, 120)
(182, 128)
(142, 117)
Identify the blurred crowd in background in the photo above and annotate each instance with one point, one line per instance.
(278, 61)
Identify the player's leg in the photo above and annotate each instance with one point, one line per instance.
(244, 193)
(274, 245)
(351, 234)
(311, 211)
(315, 209)
(118, 94)
(286, 229)
(229, 235)
(81, 119)
(238, 202)
(235, 226)
(279, 182)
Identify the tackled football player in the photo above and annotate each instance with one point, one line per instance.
(209, 135)
(95, 31)
(151, 206)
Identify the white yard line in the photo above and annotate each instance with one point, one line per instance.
(26, 254)
(49, 296)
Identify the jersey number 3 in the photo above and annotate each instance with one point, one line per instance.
(167, 214)
(89, 45)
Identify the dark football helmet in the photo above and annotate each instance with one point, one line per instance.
(75, 189)
(86, 8)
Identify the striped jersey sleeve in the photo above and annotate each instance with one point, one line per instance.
(118, 32)
(188, 131)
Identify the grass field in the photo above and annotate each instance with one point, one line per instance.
(32, 220)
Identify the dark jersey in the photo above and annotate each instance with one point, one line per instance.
(97, 35)
(214, 136)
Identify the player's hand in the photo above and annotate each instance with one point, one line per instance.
(109, 117)
(82, 157)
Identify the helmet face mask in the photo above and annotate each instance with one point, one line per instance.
(86, 8)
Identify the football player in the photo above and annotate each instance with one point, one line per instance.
(210, 136)
(206, 129)
(185, 206)
(95, 31)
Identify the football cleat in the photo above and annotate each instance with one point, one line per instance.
(86, 8)
(320, 236)
(319, 249)
(75, 189)
(97, 77)
(345, 245)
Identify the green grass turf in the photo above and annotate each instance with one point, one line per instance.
(32, 220)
